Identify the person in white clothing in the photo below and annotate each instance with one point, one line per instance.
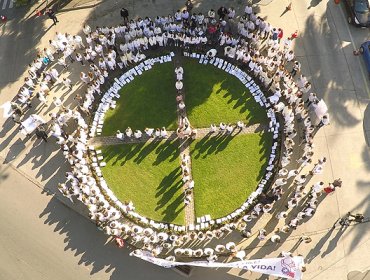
(179, 85)
(181, 105)
(240, 125)
(164, 132)
(149, 131)
(319, 167)
(128, 132)
(138, 134)
(57, 101)
(324, 121)
(67, 83)
(213, 128)
(318, 187)
(119, 135)
(229, 128)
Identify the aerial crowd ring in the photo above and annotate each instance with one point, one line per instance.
(169, 238)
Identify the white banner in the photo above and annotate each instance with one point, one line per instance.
(288, 267)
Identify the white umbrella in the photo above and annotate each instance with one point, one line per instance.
(230, 246)
(240, 255)
(220, 248)
(208, 251)
(247, 218)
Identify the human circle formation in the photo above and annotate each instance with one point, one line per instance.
(249, 49)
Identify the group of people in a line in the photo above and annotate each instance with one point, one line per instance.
(129, 134)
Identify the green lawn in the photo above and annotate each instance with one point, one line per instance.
(226, 170)
(214, 96)
(150, 176)
(148, 101)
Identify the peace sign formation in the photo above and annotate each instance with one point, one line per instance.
(183, 133)
(86, 183)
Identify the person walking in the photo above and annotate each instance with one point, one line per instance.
(51, 15)
(124, 14)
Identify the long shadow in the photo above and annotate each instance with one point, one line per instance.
(149, 148)
(168, 181)
(317, 249)
(211, 145)
(333, 243)
(168, 150)
(95, 250)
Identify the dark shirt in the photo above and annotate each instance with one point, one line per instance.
(222, 11)
(50, 13)
(124, 12)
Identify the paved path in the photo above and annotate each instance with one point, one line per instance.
(201, 133)
(184, 145)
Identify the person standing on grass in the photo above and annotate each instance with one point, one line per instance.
(51, 15)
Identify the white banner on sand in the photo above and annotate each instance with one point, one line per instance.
(288, 267)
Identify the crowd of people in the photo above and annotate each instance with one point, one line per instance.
(251, 43)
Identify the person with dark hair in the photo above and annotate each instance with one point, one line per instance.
(222, 12)
(51, 15)
(41, 133)
(124, 14)
(189, 5)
